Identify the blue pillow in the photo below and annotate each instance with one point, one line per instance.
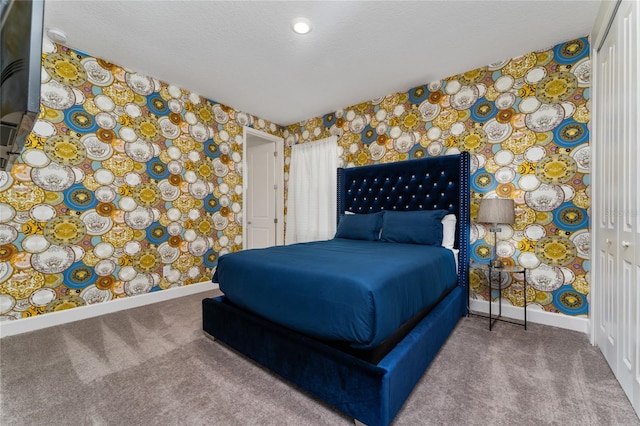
(413, 227)
(360, 226)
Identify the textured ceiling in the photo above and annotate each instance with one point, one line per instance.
(244, 54)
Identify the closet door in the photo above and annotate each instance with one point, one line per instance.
(618, 226)
(629, 229)
(607, 163)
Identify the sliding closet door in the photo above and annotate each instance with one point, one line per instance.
(618, 223)
(607, 163)
(629, 230)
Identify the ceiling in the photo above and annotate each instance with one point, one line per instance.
(244, 54)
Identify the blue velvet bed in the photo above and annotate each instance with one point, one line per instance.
(369, 379)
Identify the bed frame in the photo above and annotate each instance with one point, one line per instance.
(370, 393)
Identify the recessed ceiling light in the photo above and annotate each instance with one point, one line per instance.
(301, 26)
(57, 35)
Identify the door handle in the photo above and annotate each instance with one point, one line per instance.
(625, 244)
(249, 223)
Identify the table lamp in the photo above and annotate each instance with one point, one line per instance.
(496, 211)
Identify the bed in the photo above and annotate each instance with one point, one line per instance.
(367, 365)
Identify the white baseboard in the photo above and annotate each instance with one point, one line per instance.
(533, 315)
(10, 328)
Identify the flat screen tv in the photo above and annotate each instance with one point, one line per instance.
(20, 60)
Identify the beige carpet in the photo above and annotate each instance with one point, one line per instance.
(153, 365)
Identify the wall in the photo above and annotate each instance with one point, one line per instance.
(525, 122)
(128, 185)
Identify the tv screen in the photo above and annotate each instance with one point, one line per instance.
(20, 61)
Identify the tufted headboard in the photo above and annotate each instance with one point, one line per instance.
(425, 184)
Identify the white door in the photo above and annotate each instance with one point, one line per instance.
(618, 226)
(261, 194)
(629, 229)
(607, 160)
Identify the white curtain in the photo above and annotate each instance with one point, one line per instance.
(311, 203)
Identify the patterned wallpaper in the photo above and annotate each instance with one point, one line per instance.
(127, 185)
(525, 122)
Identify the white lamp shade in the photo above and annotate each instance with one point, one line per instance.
(496, 210)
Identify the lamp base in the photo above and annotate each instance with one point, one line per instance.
(496, 263)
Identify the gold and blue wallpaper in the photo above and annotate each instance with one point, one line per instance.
(126, 186)
(129, 185)
(525, 122)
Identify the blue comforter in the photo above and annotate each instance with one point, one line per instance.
(347, 290)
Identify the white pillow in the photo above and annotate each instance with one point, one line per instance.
(449, 231)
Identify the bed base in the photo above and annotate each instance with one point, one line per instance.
(371, 394)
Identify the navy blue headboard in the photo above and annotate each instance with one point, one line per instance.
(425, 184)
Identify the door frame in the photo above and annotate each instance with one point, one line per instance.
(279, 179)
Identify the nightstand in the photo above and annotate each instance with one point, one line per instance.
(496, 273)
